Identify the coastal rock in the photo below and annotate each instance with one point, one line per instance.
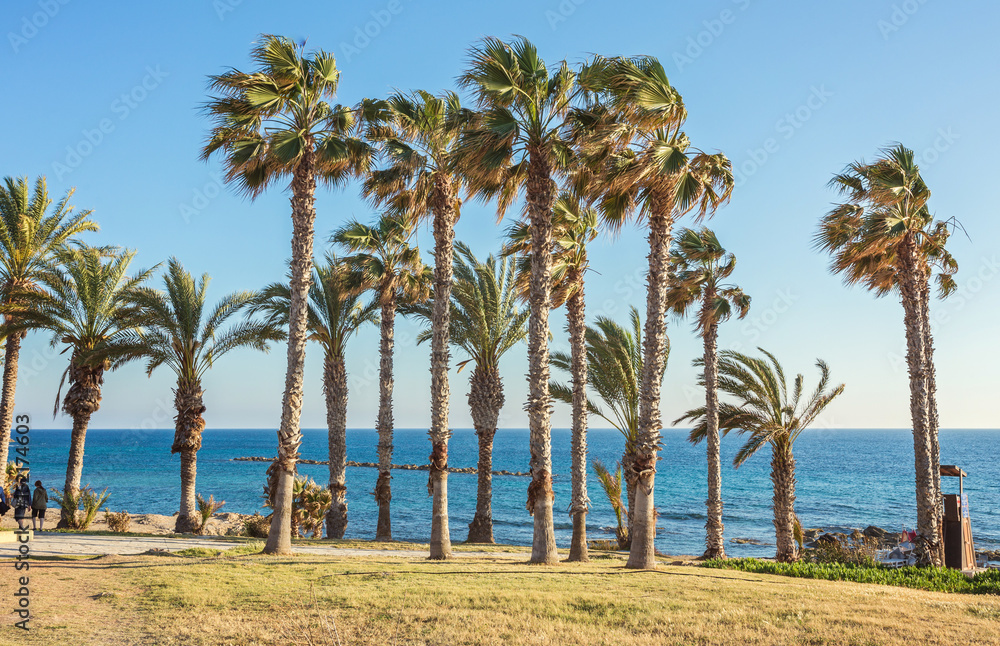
(748, 541)
(875, 532)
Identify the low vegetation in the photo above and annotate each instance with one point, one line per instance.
(87, 500)
(118, 521)
(921, 578)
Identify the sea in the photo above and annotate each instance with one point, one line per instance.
(845, 479)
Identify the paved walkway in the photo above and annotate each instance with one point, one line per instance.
(60, 544)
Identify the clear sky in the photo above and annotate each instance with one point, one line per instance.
(104, 97)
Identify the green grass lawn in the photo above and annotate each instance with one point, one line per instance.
(246, 599)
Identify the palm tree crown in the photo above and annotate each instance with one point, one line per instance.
(270, 121)
(336, 312)
(178, 332)
(383, 260)
(699, 265)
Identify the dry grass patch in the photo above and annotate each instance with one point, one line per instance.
(246, 600)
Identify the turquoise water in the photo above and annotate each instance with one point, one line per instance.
(846, 478)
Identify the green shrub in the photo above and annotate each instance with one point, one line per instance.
(90, 501)
(206, 508)
(256, 526)
(312, 502)
(118, 521)
(921, 578)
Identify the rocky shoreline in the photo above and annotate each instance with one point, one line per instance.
(404, 467)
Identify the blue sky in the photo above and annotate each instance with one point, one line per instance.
(105, 96)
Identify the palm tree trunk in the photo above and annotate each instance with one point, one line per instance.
(783, 478)
(279, 538)
(187, 518)
(576, 317)
(916, 359)
(540, 198)
(12, 351)
(82, 400)
(485, 401)
(631, 480)
(188, 427)
(383, 486)
(443, 207)
(932, 412)
(335, 389)
(642, 554)
(715, 547)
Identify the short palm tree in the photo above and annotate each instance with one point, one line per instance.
(769, 413)
(88, 305)
(179, 333)
(649, 167)
(31, 234)
(420, 135)
(574, 226)
(885, 238)
(277, 124)
(519, 143)
(335, 313)
(383, 261)
(485, 322)
(614, 369)
(700, 265)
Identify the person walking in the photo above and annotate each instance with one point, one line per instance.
(39, 503)
(21, 500)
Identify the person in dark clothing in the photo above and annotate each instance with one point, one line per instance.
(39, 503)
(21, 500)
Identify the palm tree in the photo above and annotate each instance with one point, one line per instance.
(273, 124)
(88, 305)
(574, 226)
(177, 333)
(486, 323)
(699, 266)
(420, 135)
(30, 235)
(335, 314)
(384, 262)
(520, 142)
(649, 166)
(768, 413)
(885, 238)
(614, 368)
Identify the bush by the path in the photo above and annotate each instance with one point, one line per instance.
(921, 578)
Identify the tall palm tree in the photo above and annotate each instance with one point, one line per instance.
(273, 124)
(88, 305)
(885, 238)
(520, 143)
(574, 226)
(177, 333)
(699, 266)
(383, 260)
(649, 167)
(614, 368)
(335, 314)
(31, 233)
(485, 322)
(768, 413)
(420, 135)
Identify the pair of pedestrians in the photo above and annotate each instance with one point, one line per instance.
(21, 497)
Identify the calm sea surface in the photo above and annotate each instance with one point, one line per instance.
(846, 478)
